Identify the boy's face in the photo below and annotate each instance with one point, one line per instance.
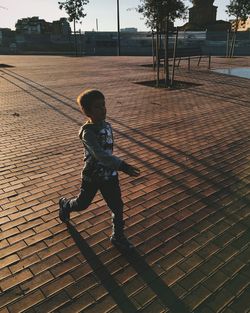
(98, 110)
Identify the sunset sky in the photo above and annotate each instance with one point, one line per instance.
(104, 11)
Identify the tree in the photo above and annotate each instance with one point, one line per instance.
(159, 14)
(240, 9)
(75, 11)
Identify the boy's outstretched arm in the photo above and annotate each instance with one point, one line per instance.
(129, 169)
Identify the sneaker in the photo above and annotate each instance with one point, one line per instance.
(64, 213)
(121, 243)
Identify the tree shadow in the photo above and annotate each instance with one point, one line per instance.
(207, 200)
(163, 292)
(221, 188)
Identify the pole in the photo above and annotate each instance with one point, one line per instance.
(96, 24)
(157, 58)
(227, 47)
(174, 56)
(167, 53)
(118, 30)
(80, 38)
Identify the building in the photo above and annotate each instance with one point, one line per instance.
(129, 30)
(7, 37)
(34, 25)
(202, 16)
(61, 27)
(202, 13)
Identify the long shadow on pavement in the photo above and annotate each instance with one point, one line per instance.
(164, 293)
(108, 282)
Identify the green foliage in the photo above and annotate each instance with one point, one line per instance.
(157, 12)
(74, 8)
(239, 9)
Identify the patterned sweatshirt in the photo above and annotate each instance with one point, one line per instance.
(98, 148)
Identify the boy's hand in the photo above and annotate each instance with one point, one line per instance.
(129, 169)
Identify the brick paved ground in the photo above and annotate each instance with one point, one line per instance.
(187, 215)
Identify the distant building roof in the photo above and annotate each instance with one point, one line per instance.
(129, 30)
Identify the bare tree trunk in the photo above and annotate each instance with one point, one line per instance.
(231, 54)
(233, 44)
(174, 57)
(75, 37)
(157, 58)
(166, 53)
(153, 49)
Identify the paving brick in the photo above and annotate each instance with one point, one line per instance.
(192, 279)
(220, 300)
(5, 272)
(188, 249)
(191, 262)
(216, 281)
(179, 291)
(238, 284)
(53, 239)
(57, 285)
(26, 302)
(31, 224)
(4, 243)
(45, 264)
(53, 304)
(211, 265)
(64, 267)
(49, 251)
(22, 236)
(13, 248)
(233, 267)
(170, 261)
(31, 249)
(14, 223)
(98, 292)
(198, 296)
(10, 296)
(242, 303)
(82, 270)
(144, 296)
(38, 237)
(24, 263)
(172, 276)
(81, 303)
(133, 285)
(37, 281)
(9, 260)
(12, 281)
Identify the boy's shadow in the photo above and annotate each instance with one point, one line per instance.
(163, 292)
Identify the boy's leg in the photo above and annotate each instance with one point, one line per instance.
(111, 193)
(82, 201)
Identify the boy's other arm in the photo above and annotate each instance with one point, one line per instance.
(90, 141)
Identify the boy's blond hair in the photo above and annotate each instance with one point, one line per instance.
(86, 98)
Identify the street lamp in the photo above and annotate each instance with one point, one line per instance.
(118, 30)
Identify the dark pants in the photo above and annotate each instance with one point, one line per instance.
(111, 193)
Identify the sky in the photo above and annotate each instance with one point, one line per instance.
(104, 11)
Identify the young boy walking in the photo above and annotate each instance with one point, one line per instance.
(100, 171)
